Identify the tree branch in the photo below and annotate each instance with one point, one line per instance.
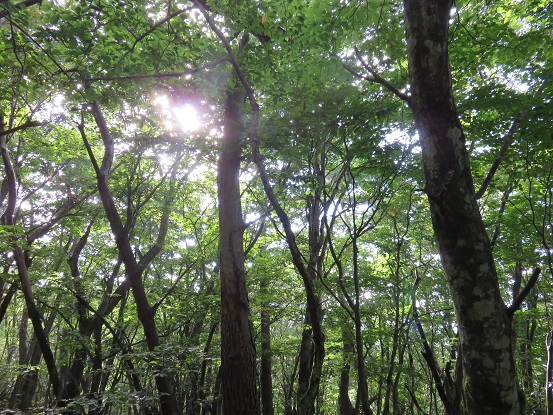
(19, 6)
(150, 31)
(507, 140)
(376, 78)
(174, 286)
(22, 127)
(428, 354)
(160, 75)
(528, 287)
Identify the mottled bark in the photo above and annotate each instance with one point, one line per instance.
(305, 363)
(238, 360)
(484, 324)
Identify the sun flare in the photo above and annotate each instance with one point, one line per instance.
(182, 117)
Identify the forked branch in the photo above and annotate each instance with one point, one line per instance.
(518, 301)
(376, 78)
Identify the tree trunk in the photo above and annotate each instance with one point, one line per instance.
(22, 268)
(484, 325)
(305, 363)
(25, 385)
(549, 374)
(266, 377)
(237, 347)
(344, 402)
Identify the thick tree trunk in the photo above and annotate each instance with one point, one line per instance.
(305, 363)
(484, 325)
(237, 348)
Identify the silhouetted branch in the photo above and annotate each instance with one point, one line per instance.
(531, 282)
(160, 75)
(22, 127)
(18, 6)
(376, 78)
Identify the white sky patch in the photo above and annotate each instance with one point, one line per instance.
(403, 137)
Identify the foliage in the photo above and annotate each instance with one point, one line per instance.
(329, 139)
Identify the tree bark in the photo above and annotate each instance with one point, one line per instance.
(238, 360)
(484, 325)
(549, 374)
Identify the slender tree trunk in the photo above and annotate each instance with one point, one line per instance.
(484, 325)
(94, 390)
(133, 268)
(238, 360)
(266, 376)
(363, 389)
(549, 374)
(22, 268)
(25, 385)
(344, 402)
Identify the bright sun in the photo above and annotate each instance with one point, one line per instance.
(183, 117)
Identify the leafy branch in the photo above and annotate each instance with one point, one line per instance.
(507, 140)
(376, 78)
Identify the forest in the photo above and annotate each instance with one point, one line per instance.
(277, 207)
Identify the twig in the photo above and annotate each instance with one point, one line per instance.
(149, 32)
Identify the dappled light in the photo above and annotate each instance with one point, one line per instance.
(300, 207)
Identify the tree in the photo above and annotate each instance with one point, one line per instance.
(324, 244)
(238, 361)
(484, 320)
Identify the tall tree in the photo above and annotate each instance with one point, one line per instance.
(484, 321)
(238, 360)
